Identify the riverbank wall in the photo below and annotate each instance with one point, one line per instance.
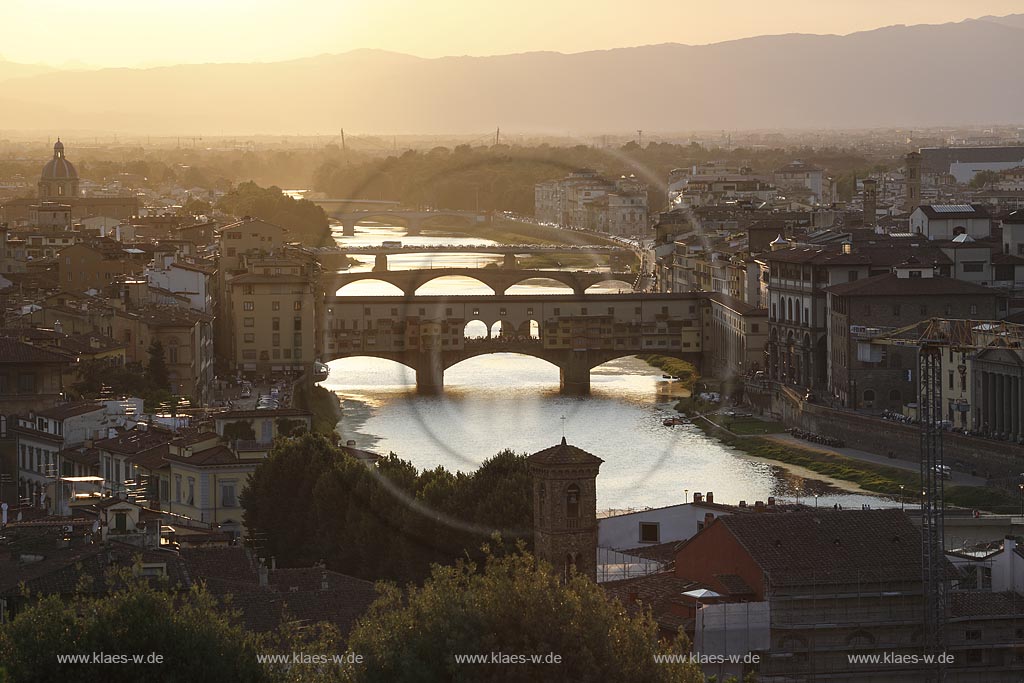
(998, 461)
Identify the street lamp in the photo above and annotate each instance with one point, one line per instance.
(902, 506)
(1021, 486)
(815, 500)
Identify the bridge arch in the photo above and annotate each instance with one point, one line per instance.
(470, 355)
(363, 286)
(379, 217)
(428, 278)
(626, 286)
(563, 285)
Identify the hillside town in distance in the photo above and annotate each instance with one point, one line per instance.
(163, 343)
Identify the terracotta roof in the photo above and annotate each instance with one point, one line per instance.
(231, 563)
(816, 256)
(14, 351)
(889, 284)
(195, 437)
(661, 552)
(660, 592)
(295, 593)
(978, 603)
(61, 571)
(563, 454)
(734, 584)
(206, 270)
(830, 546)
(217, 455)
(63, 412)
(135, 440)
(152, 459)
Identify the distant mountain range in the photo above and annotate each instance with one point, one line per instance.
(971, 72)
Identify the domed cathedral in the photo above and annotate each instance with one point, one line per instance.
(565, 508)
(59, 178)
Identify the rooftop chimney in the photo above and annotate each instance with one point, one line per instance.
(698, 498)
(710, 498)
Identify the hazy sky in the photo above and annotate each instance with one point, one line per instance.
(150, 32)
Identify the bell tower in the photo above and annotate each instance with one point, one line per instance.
(565, 508)
(912, 197)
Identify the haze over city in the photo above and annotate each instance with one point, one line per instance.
(676, 342)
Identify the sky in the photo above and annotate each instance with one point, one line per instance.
(131, 33)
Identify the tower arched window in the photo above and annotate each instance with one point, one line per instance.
(572, 502)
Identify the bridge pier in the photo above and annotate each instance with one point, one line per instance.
(574, 375)
(430, 373)
(380, 263)
(348, 227)
(510, 262)
(413, 226)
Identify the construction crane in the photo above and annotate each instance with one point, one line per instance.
(931, 338)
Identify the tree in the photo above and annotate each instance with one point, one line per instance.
(239, 430)
(196, 639)
(302, 218)
(156, 369)
(983, 178)
(385, 520)
(515, 606)
(286, 427)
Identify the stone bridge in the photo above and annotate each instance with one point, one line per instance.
(498, 279)
(574, 332)
(413, 220)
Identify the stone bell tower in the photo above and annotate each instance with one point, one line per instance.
(912, 197)
(565, 508)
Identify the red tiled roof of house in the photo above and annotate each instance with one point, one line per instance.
(830, 546)
(14, 351)
(890, 284)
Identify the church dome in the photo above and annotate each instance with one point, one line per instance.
(59, 168)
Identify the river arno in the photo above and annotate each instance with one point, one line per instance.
(510, 401)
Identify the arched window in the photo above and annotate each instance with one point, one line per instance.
(959, 230)
(869, 394)
(572, 502)
(789, 309)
